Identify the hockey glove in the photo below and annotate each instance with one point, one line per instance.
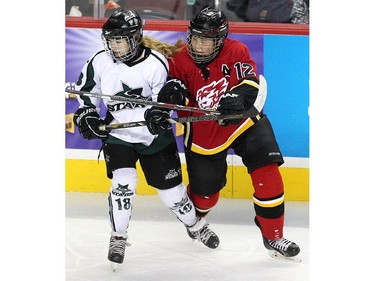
(174, 91)
(231, 103)
(156, 119)
(88, 121)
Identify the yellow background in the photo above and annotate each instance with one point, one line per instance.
(90, 176)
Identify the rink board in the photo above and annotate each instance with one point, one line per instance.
(89, 176)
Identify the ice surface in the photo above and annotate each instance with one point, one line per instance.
(161, 249)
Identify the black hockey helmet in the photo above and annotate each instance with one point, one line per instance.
(208, 23)
(122, 26)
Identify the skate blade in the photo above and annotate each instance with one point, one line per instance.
(278, 256)
(114, 266)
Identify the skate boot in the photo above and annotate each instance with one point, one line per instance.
(282, 249)
(202, 233)
(116, 252)
(283, 246)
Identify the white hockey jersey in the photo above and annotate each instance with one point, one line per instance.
(140, 80)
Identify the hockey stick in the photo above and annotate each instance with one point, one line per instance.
(252, 112)
(145, 102)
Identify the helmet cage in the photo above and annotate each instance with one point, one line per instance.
(199, 58)
(115, 47)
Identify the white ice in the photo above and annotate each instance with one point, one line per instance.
(162, 251)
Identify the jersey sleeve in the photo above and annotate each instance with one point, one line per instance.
(89, 81)
(247, 84)
(160, 74)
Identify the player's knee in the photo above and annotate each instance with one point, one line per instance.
(267, 181)
(203, 204)
(176, 199)
(124, 182)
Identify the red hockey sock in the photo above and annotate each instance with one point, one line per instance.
(272, 229)
(267, 181)
(269, 200)
(203, 204)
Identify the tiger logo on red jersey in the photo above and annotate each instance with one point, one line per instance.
(210, 95)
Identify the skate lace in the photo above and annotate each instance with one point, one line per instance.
(118, 245)
(204, 234)
(280, 244)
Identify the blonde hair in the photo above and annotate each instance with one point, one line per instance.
(168, 50)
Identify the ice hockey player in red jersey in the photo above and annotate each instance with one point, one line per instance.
(213, 71)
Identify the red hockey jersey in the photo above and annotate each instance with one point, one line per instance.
(229, 68)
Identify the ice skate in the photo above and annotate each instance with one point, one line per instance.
(116, 252)
(282, 249)
(202, 233)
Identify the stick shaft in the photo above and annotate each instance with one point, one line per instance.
(212, 114)
(252, 112)
(144, 101)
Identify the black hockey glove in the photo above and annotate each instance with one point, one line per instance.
(174, 91)
(231, 103)
(156, 119)
(88, 121)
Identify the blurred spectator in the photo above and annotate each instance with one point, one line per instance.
(86, 7)
(79, 8)
(276, 11)
(199, 5)
(75, 11)
(301, 12)
(110, 6)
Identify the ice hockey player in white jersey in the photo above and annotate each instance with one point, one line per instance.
(133, 65)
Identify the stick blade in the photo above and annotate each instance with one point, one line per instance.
(262, 94)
